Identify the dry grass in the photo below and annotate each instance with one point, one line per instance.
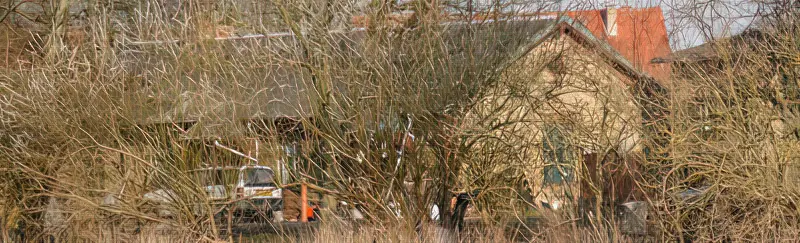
(85, 121)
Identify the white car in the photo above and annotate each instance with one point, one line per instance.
(252, 188)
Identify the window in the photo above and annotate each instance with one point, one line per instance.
(557, 155)
(289, 162)
(259, 177)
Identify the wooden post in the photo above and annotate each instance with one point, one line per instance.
(231, 209)
(303, 202)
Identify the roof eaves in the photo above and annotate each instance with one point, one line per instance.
(604, 47)
(535, 41)
(587, 37)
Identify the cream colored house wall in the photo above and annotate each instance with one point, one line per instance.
(589, 97)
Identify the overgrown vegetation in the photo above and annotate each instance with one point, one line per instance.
(395, 114)
(732, 140)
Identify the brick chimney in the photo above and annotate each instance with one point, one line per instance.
(611, 21)
(609, 15)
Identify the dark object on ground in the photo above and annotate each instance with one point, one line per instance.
(460, 209)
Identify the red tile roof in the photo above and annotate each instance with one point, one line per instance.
(640, 35)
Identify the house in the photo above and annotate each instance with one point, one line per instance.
(638, 34)
(728, 58)
(753, 57)
(709, 57)
(594, 114)
(595, 125)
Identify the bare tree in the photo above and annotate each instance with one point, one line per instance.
(397, 115)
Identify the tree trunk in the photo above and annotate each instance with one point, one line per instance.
(447, 172)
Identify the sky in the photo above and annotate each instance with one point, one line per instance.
(689, 22)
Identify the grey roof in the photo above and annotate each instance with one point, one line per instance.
(709, 50)
(702, 52)
(207, 92)
(278, 87)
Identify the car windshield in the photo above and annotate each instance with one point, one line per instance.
(259, 177)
